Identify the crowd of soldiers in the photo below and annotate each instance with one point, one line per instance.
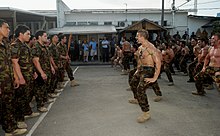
(196, 57)
(31, 69)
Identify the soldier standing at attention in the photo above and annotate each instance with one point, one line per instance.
(41, 59)
(56, 62)
(62, 49)
(23, 66)
(148, 70)
(8, 78)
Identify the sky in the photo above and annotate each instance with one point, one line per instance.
(210, 8)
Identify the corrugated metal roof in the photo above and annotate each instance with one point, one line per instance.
(84, 29)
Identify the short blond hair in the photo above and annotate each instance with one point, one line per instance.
(144, 33)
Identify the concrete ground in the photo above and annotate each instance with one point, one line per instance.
(99, 107)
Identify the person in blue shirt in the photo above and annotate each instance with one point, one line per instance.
(85, 50)
(105, 50)
(93, 47)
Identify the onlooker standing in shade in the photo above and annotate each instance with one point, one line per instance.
(93, 46)
(85, 51)
(105, 50)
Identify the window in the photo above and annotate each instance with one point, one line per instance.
(93, 23)
(70, 23)
(107, 23)
(81, 23)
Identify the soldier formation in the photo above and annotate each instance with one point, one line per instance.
(30, 70)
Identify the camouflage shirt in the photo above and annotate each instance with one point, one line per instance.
(54, 53)
(22, 52)
(43, 54)
(62, 49)
(6, 70)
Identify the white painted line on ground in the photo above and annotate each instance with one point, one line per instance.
(43, 115)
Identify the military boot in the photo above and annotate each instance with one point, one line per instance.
(133, 101)
(143, 117)
(16, 132)
(74, 83)
(21, 125)
(157, 98)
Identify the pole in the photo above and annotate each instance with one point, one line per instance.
(162, 20)
(162, 14)
(195, 7)
(173, 15)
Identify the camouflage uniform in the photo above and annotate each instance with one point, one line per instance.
(183, 63)
(55, 55)
(49, 76)
(62, 49)
(42, 53)
(131, 74)
(138, 86)
(166, 68)
(191, 69)
(126, 59)
(201, 77)
(8, 93)
(24, 93)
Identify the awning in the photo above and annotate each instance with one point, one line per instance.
(84, 30)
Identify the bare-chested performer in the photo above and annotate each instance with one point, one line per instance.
(148, 70)
(118, 59)
(192, 65)
(168, 56)
(126, 50)
(211, 66)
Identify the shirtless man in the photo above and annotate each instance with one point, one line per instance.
(184, 57)
(192, 65)
(148, 70)
(126, 50)
(118, 59)
(211, 66)
(208, 84)
(167, 57)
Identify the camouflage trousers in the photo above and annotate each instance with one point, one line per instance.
(126, 59)
(139, 86)
(40, 92)
(130, 76)
(201, 77)
(69, 71)
(61, 74)
(9, 123)
(166, 68)
(54, 81)
(23, 96)
(50, 81)
(183, 63)
(191, 69)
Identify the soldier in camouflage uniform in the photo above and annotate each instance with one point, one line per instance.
(149, 65)
(51, 74)
(23, 65)
(56, 62)
(7, 78)
(62, 49)
(41, 59)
